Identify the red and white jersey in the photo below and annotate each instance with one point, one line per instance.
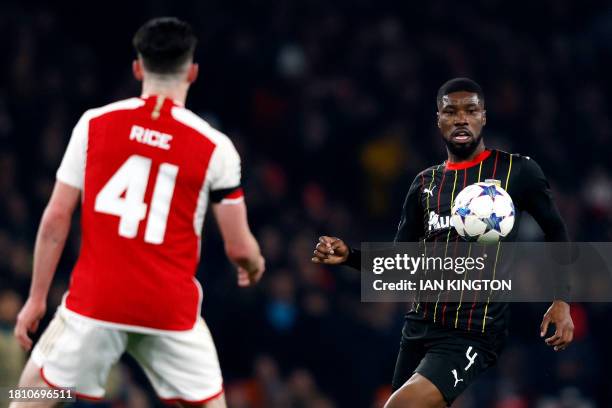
(147, 168)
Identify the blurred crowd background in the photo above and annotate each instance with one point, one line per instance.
(332, 107)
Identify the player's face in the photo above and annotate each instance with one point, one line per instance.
(461, 116)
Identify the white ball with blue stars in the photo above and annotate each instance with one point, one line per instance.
(483, 212)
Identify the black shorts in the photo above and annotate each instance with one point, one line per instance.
(450, 358)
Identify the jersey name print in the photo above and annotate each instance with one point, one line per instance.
(150, 137)
(146, 181)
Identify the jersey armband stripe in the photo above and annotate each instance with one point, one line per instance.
(227, 195)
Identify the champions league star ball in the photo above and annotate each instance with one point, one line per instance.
(483, 212)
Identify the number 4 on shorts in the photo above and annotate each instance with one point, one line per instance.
(471, 358)
(132, 179)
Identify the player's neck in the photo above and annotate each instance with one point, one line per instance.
(452, 158)
(175, 90)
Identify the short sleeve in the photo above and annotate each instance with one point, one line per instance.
(72, 168)
(224, 174)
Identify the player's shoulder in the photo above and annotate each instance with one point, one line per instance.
(525, 165)
(515, 157)
(191, 120)
(426, 176)
(124, 104)
(430, 171)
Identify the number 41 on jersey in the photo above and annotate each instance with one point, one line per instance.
(132, 179)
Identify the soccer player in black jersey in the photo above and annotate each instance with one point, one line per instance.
(445, 346)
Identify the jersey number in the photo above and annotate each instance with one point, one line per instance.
(123, 196)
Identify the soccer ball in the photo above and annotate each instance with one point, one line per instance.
(483, 212)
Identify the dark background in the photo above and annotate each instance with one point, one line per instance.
(332, 107)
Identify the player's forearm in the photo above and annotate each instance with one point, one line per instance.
(549, 218)
(353, 259)
(546, 213)
(50, 241)
(245, 253)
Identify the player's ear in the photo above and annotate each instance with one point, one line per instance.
(484, 118)
(192, 74)
(137, 70)
(438, 119)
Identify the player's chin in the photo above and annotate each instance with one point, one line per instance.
(462, 149)
(462, 143)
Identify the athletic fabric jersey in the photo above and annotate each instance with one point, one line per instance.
(147, 168)
(426, 216)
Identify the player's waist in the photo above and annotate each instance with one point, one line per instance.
(163, 307)
(66, 312)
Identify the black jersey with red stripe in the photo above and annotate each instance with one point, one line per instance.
(426, 216)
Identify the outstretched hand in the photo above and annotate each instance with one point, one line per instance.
(558, 314)
(330, 251)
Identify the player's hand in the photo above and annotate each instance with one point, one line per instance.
(27, 321)
(558, 314)
(330, 251)
(251, 277)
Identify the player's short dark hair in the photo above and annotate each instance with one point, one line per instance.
(459, 85)
(165, 44)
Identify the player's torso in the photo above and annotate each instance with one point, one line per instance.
(155, 166)
(143, 187)
(439, 187)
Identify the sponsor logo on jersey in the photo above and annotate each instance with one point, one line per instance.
(428, 191)
(437, 222)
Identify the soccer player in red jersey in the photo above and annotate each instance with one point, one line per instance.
(144, 170)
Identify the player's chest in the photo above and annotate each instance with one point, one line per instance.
(440, 187)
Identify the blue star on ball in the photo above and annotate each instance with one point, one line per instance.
(463, 212)
(491, 191)
(493, 223)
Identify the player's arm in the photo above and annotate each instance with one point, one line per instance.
(53, 230)
(334, 251)
(50, 240)
(538, 201)
(230, 211)
(410, 228)
(241, 246)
